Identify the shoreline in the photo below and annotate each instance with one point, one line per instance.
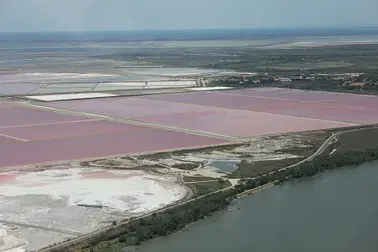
(177, 216)
(254, 190)
(263, 182)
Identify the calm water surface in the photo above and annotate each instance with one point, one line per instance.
(225, 165)
(336, 211)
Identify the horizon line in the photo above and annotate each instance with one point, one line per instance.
(344, 27)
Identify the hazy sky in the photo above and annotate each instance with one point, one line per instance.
(48, 15)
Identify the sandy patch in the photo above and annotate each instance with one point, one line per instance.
(10, 243)
(51, 201)
(96, 187)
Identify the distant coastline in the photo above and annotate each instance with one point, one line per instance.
(185, 34)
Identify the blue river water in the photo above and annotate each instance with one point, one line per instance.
(335, 211)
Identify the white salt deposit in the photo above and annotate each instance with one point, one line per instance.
(62, 97)
(156, 84)
(131, 191)
(9, 243)
(55, 200)
(128, 84)
(171, 84)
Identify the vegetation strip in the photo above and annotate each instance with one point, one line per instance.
(174, 218)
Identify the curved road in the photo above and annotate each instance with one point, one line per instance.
(234, 182)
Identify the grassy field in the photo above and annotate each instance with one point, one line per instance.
(162, 155)
(341, 58)
(186, 166)
(196, 179)
(310, 142)
(253, 169)
(202, 188)
(358, 140)
(269, 61)
(305, 65)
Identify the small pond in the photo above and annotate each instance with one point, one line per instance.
(224, 165)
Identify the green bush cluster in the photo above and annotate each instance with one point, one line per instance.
(174, 219)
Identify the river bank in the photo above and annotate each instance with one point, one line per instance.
(333, 211)
(177, 218)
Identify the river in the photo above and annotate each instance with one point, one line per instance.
(335, 211)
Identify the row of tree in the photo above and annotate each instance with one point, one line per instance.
(174, 219)
(167, 222)
(326, 84)
(311, 168)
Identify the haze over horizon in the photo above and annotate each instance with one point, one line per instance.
(96, 15)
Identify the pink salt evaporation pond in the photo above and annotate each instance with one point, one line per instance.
(13, 116)
(292, 94)
(69, 130)
(7, 140)
(351, 114)
(85, 147)
(220, 99)
(243, 123)
(369, 101)
(31, 136)
(129, 107)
